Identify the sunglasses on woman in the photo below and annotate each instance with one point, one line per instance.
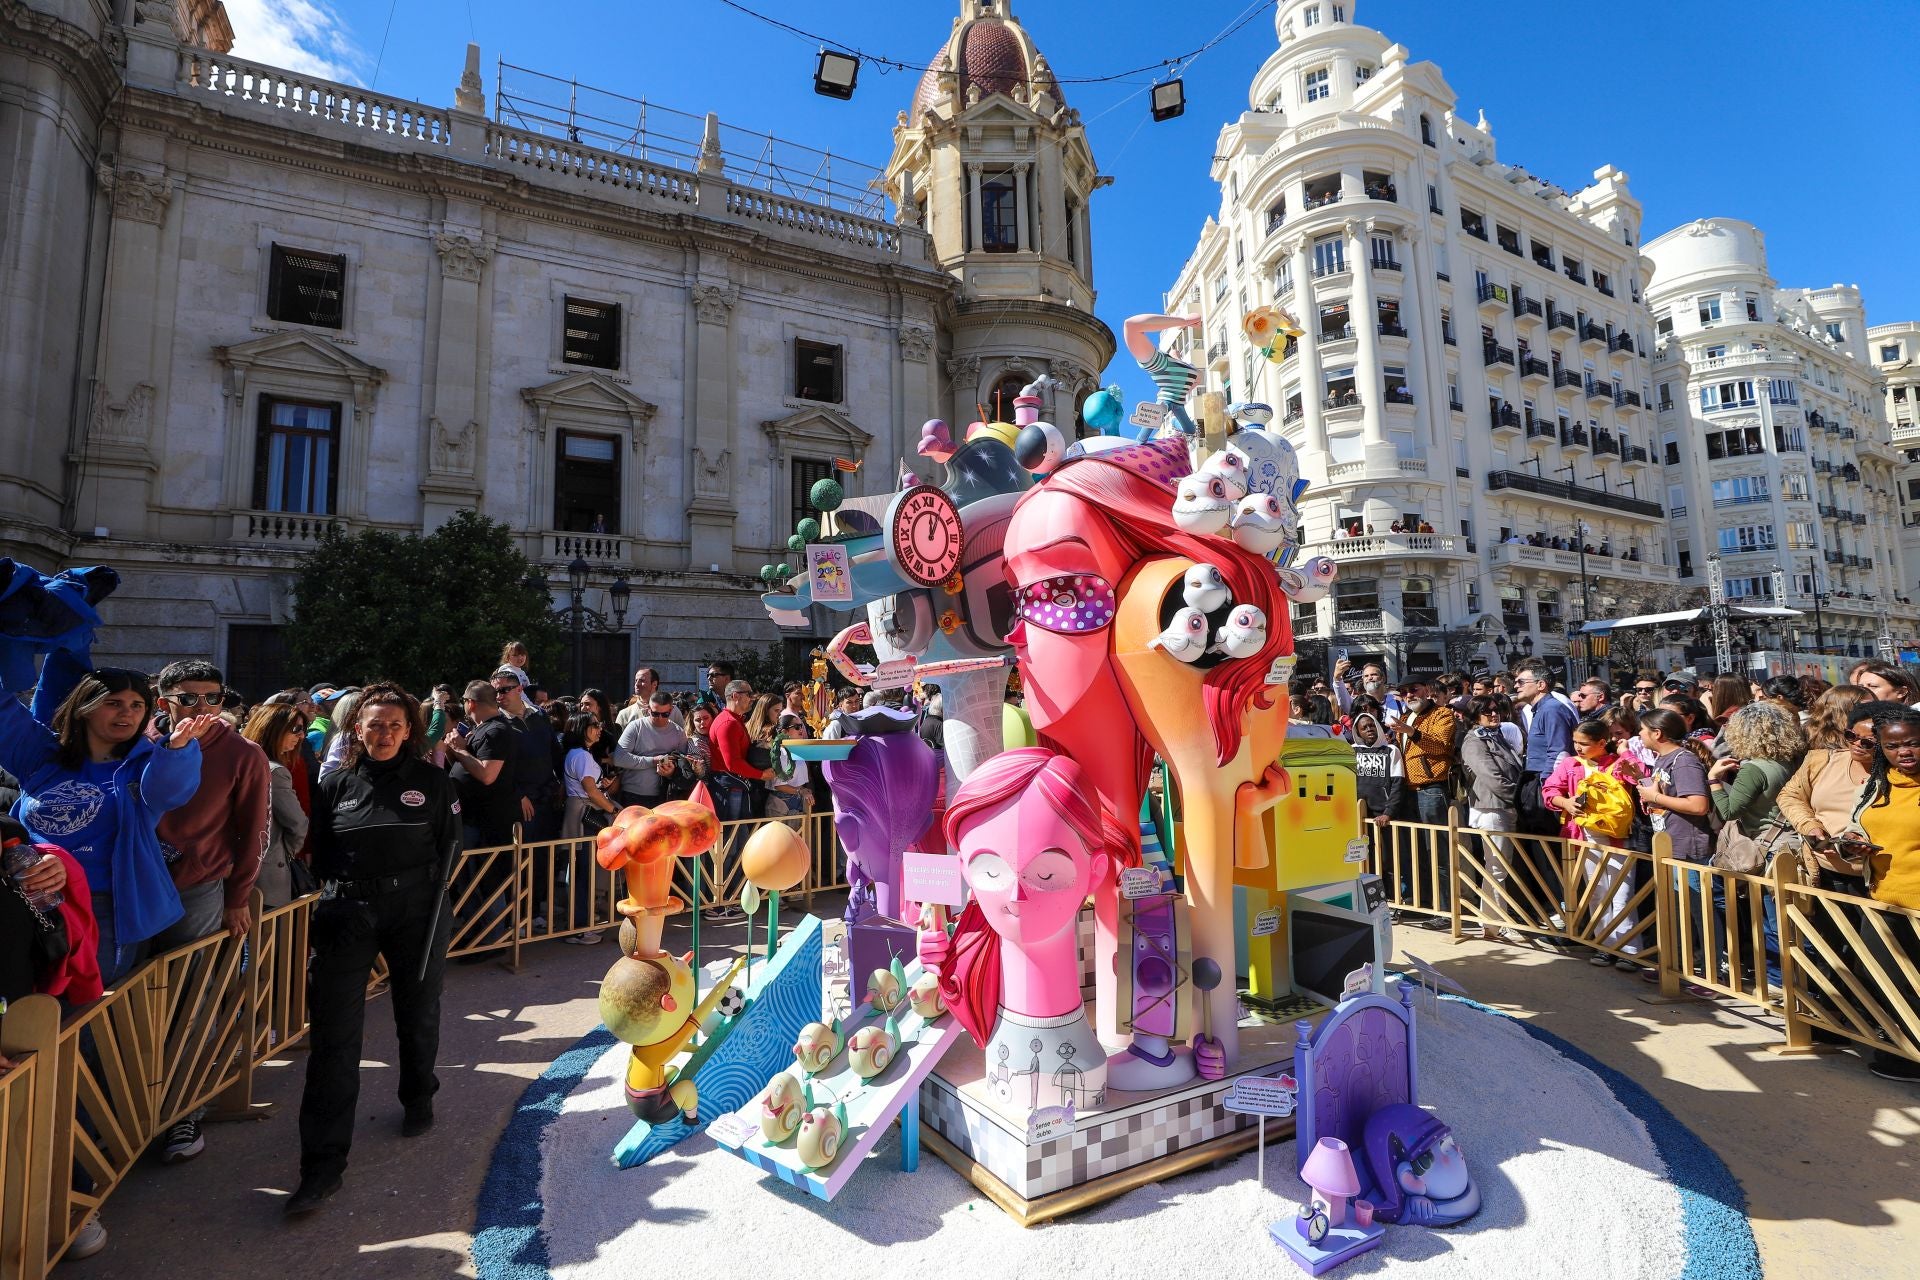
(1862, 741)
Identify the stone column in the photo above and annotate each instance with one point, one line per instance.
(1021, 178)
(1366, 365)
(126, 424)
(1312, 385)
(456, 401)
(711, 515)
(976, 227)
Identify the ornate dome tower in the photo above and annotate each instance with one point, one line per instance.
(994, 165)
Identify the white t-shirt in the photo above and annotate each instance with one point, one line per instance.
(582, 772)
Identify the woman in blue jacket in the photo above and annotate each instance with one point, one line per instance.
(93, 784)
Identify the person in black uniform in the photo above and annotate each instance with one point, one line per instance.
(386, 831)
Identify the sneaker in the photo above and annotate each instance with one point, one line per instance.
(539, 924)
(587, 939)
(1889, 1067)
(89, 1240)
(1513, 937)
(1599, 959)
(1626, 966)
(184, 1142)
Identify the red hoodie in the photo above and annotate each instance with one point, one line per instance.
(221, 832)
(77, 978)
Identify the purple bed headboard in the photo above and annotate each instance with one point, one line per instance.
(1362, 1057)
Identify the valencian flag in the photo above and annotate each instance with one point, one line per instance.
(842, 464)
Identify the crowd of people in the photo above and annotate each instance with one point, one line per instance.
(1736, 772)
(146, 810)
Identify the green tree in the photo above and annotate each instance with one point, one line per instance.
(419, 610)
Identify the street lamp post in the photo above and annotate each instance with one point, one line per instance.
(577, 585)
(1819, 622)
(579, 619)
(1586, 601)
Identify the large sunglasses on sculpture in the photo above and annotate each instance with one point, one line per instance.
(1069, 604)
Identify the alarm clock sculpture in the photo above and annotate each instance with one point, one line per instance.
(928, 590)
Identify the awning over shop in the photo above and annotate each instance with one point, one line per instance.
(1682, 617)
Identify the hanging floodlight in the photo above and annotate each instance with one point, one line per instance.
(835, 75)
(1169, 99)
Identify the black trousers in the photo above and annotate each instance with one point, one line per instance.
(344, 937)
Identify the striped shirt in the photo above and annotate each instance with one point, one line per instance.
(1174, 378)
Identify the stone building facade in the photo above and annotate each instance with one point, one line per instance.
(248, 305)
(1774, 444)
(1895, 351)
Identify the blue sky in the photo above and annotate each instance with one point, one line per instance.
(1798, 117)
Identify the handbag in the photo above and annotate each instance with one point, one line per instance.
(50, 942)
(301, 879)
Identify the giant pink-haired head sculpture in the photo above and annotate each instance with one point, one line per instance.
(1031, 844)
(883, 798)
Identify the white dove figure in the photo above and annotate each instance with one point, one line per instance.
(1185, 637)
(1243, 634)
(1204, 589)
(1202, 504)
(1231, 465)
(1260, 523)
(1308, 582)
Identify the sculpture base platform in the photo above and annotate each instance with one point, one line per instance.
(1125, 1141)
(1341, 1245)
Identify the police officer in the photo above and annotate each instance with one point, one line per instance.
(386, 830)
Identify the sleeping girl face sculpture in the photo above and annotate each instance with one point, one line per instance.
(1029, 870)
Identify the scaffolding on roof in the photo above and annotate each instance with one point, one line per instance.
(557, 108)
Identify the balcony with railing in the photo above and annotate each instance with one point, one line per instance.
(1575, 273)
(1559, 319)
(1217, 352)
(1453, 403)
(1604, 442)
(1276, 217)
(1849, 472)
(598, 549)
(1627, 399)
(1399, 395)
(1385, 264)
(1508, 240)
(1504, 417)
(1322, 192)
(1563, 491)
(1636, 453)
(1566, 378)
(1491, 294)
(1620, 342)
(1391, 329)
(1599, 389)
(1524, 555)
(1858, 517)
(280, 529)
(1335, 332)
(1473, 224)
(1543, 256)
(1591, 332)
(1379, 188)
(1743, 500)
(1822, 467)
(1534, 367)
(1524, 307)
(1390, 546)
(1340, 401)
(1492, 353)
(1574, 437)
(1540, 428)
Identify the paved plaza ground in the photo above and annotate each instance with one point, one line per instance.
(1828, 1154)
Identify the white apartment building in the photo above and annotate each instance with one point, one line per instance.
(1895, 349)
(1774, 442)
(1471, 398)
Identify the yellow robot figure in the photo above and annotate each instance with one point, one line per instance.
(647, 1001)
(1309, 831)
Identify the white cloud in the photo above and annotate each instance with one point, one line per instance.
(295, 35)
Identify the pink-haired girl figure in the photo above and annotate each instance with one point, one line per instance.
(1030, 846)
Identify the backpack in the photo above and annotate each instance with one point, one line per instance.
(1606, 805)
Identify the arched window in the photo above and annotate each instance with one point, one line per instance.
(999, 214)
(1000, 407)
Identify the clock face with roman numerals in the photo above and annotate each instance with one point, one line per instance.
(923, 535)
